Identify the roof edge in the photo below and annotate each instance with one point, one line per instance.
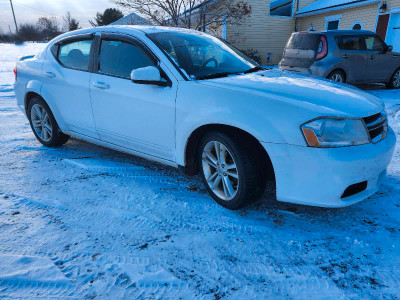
(335, 8)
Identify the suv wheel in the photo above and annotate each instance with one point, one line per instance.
(394, 81)
(44, 125)
(230, 171)
(337, 76)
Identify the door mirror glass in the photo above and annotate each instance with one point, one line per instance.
(148, 75)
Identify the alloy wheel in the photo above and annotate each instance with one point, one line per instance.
(336, 77)
(220, 170)
(396, 79)
(41, 122)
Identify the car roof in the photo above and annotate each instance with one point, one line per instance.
(143, 29)
(151, 28)
(137, 28)
(341, 32)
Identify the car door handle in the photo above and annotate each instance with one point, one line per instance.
(345, 56)
(101, 85)
(50, 74)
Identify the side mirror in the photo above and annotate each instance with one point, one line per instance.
(149, 75)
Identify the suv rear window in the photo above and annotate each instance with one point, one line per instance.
(303, 41)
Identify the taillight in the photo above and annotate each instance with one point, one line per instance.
(323, 48)
(15, 73)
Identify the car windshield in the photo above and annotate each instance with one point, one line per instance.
(202, 56)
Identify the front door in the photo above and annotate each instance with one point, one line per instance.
(380, 62)
(140, 117)
(354, 57)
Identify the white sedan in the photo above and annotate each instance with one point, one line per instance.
(189, 100)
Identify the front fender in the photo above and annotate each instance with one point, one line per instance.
(184, 135)
(224, 107)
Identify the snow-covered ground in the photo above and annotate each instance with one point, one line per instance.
(82, 221)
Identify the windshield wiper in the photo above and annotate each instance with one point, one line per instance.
(255, 69)
(216, 75)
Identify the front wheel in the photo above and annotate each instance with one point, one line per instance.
(44, 125)
(337, 76)
(394, 82)
(230, 171)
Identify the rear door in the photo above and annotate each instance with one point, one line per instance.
(66, 74)
(381, 63)
(354, 57)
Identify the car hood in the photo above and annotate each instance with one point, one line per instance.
(318, 94)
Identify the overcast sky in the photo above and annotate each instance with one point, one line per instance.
(28, 11)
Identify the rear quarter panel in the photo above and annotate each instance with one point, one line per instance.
(28, 79)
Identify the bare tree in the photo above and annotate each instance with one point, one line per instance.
(195, 14)
(30, 32)
(71, 23)
(48, 27)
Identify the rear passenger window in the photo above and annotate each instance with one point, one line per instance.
(120, 59)
(75, 55)
(350, 43)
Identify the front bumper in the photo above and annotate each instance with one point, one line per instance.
(318, 177)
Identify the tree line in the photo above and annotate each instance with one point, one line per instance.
(47, 28)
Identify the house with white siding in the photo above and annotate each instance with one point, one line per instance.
(380, 16)
(267, 29)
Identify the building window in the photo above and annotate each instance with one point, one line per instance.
(281, 8)
(356, 26)
(332, 25)
(333, 22)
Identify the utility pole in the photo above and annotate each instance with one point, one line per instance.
(15, 20)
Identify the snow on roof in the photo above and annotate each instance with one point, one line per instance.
(322, 6)
(132, 19)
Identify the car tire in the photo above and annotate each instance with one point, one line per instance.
(234, 178)
(44, 125)
(337, 76)
(394, 82)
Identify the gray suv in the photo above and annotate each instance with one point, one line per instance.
(343, 55)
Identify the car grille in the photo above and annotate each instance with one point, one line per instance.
(377, 126)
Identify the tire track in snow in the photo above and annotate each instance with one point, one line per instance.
(27, 288)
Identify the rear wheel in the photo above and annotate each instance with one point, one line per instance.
(394, 82)
(337, 76)
(230, 171)
(44, 125)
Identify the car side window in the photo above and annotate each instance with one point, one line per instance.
(75, 55)
(350, 42)
(119, 58)
(373, 43)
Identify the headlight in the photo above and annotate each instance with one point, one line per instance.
(335, 132)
